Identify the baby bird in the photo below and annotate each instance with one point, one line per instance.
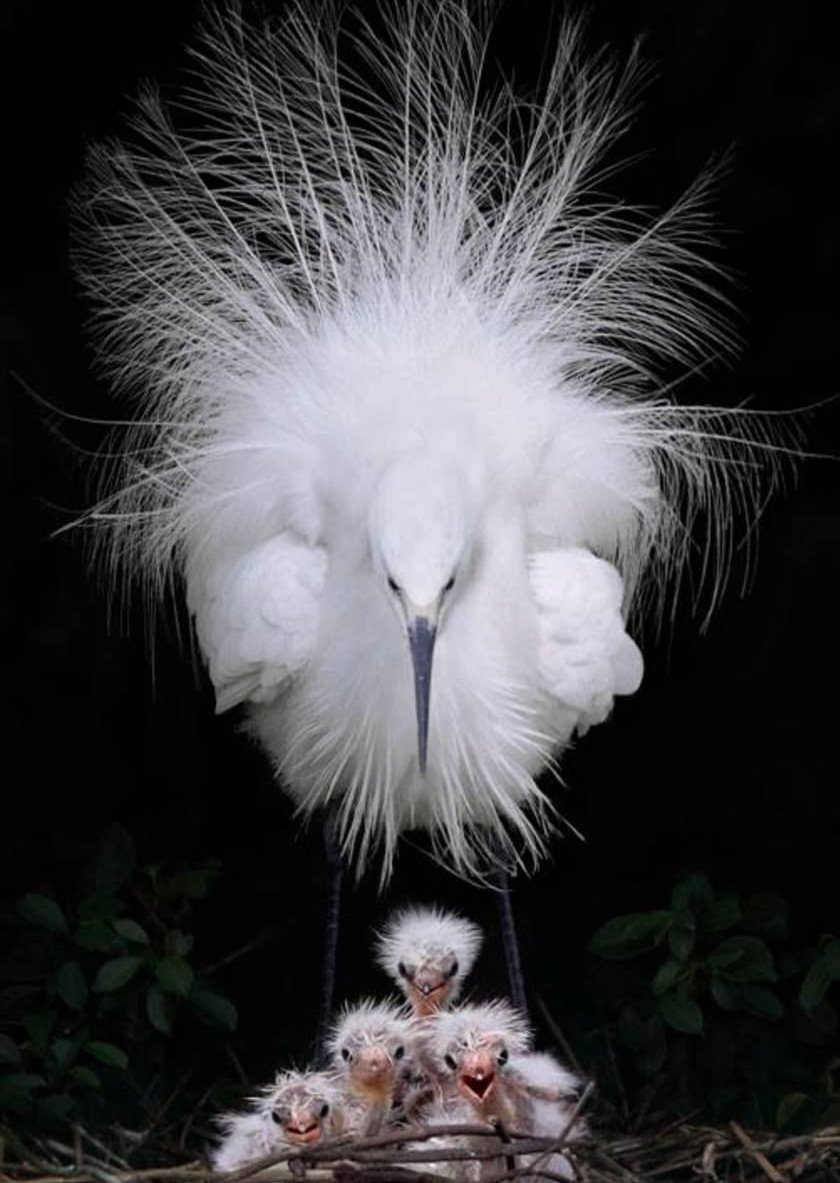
(471, 1047)
(548, 1093)
(299, 1108)
(371, 1048)
(428, 953)
(484, 1060)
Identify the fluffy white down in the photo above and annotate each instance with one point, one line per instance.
(245, 1137)
(419, 936)
(330, 271)
(368, 1023)
(253, 1133)
(467, 1027)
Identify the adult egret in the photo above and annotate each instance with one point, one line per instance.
(403, 422)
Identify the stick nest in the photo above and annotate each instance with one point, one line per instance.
(677, 1151)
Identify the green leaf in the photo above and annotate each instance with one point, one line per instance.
(724, 913)
(790, 1105)
(817, 981)
(692, 893)
(214, 1008)
(116, 860)
(761, 1002)
(100, 907)
(681, 935)
(62, 1053)
(831, 957)
(115, 973)
(630, 935)
(645, 1038)
(9, 1050)
(175, 975)
(96, 936)
(726, 994)
(683, 1014)
(41, 910)
(107, 1053)
(767, 914)
(71, 985)
(160, 1010)
(85, 1076)
(179, 944)
(130, 930)
(16, 1089)
(668, 975)
(746, 959)
(39, 1027)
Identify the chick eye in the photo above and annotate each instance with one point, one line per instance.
(450, 583)
(346, 1054)
(275, 1117)
(325, 1109)
(399, 1052)
(502, 1057)
(450, 1062)
(453, 969)
(401, 970)
(392, 583)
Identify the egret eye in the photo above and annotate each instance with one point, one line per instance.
(392, 583)
(450, 1062)
(401, 970)
(453, 969)
(324, 1109)
(450, 583)
(502, 1057)
(399, 1052)
(346, 1054)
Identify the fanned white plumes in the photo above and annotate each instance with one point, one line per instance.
(344, 243)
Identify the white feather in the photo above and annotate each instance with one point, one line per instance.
(417, 937)
(345, 250)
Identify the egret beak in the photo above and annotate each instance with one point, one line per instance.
(422, 630)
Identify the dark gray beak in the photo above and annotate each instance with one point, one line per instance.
(421, 640)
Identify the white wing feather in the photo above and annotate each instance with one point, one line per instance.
(585, 656)
(257, 618)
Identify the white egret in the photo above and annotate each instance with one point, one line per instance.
(299, 1108)
(404, 422)
(371, 1048)
(428, 953)
(483, 1058)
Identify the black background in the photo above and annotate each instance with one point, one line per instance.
(727, 758)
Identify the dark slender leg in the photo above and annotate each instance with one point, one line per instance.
(335, 876)
(510, 944)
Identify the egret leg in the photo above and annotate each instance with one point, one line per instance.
(335, 878)
(510, 943)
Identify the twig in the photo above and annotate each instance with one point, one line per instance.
(242, 951)
(80, 1134)
(501, 1130)
(765, 1164)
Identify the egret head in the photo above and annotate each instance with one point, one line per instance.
(420, 542)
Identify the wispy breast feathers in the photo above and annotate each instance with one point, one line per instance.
(330, 173)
